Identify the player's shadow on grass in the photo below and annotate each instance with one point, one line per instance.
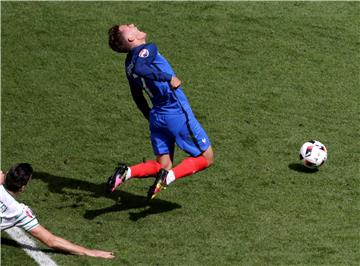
(123, 200)
(301, 168)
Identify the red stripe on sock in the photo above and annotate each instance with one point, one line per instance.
(190, 166)
(149, 168)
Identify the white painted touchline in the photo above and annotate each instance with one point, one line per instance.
(19, 236)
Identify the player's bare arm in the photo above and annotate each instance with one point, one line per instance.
(59, 243)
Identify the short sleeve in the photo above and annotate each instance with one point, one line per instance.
(26, 220)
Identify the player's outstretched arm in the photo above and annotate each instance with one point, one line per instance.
(59, 243)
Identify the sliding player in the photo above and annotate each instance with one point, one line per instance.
(17, 214)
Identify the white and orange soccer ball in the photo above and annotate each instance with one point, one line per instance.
(313, 154)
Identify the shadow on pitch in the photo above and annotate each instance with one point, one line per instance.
(123, 200)
(301, 168)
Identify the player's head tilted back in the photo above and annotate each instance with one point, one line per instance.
(17, 177)
(122, 38)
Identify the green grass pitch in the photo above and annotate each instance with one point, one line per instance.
(262, 78)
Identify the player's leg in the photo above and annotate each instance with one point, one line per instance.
(163, 147)
(188, 166)
(191, 138)
(191, 165)
(123, 173)
(150, 167)
(209, 155)
(165, 160)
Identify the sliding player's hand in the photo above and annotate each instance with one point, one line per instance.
(100, 254)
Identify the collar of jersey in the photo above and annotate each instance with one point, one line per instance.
(137, 48)
(7, 191)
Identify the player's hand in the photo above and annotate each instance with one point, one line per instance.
(100, 254)
(175, 82)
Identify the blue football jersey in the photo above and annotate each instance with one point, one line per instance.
(147, 70)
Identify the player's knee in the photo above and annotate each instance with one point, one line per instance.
(168, 166)
(209, 156)
(165, 161)
(210, 160)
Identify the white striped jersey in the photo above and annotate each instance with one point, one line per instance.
(13, 213)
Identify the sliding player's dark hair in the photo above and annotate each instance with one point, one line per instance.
(116, 41)
(18, 176)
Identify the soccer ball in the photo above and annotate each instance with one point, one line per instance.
(313, 154)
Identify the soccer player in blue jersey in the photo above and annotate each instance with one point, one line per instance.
(171, 118)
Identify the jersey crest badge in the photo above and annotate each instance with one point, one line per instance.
(144, 53)
(29, 213)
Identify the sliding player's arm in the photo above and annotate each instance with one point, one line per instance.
(59, 243)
